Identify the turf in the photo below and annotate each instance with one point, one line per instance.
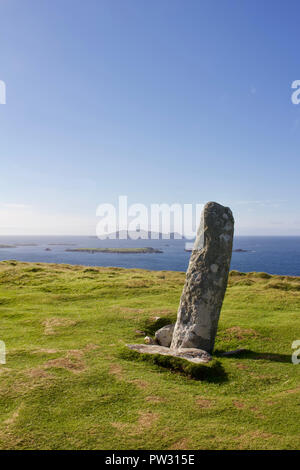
(70, 383)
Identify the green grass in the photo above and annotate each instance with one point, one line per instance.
(70, 383)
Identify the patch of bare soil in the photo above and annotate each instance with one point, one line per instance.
(51, 325)
(12, 419)
(146, 420)
(204, 402)
(291, 390)
(241, 366)
(236, 332)
(91, 347)
(257, 412)
(239, 404)
(117, 371)
(164, 311)
(270, 403)
(155, 399)
(183, 444)
(141, 384)
(29, 379)
(119, 426)
(76, 353)
(132, 310)
(45, 351)
(250, 437)
(73, 364)
(38, 372)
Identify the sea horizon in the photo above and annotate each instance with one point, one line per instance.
(274, 254)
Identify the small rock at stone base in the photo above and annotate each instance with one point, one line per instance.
(139, 332)
(149, 340)
(164, 335)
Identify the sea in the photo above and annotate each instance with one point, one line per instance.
(274, 255)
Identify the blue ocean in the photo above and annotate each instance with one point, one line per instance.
(274, 255)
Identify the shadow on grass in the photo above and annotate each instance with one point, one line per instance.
(256, 356)
(212, 371)
(150, 326)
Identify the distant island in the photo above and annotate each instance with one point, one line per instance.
(143, 234)
(61, 244)
(17, 245)
(26, 244)
(115, 250)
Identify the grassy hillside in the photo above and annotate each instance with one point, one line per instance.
(68, 384)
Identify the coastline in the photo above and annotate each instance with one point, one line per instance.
(88, 267)
(275, 255)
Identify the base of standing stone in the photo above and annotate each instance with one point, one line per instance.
(190, 354)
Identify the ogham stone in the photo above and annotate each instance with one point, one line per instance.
(206, 280)
(203, 293)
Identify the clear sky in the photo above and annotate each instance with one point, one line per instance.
(165, 101)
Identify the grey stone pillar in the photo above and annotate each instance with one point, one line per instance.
(206, 281)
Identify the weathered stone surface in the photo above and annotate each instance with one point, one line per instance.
(139, 332)
(190, 354)
(164, 335)
(206, 280)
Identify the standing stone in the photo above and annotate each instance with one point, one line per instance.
(206, 281)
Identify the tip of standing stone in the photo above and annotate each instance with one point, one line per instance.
(215, 206)
(190, 354)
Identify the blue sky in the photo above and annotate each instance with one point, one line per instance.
(165, 101)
